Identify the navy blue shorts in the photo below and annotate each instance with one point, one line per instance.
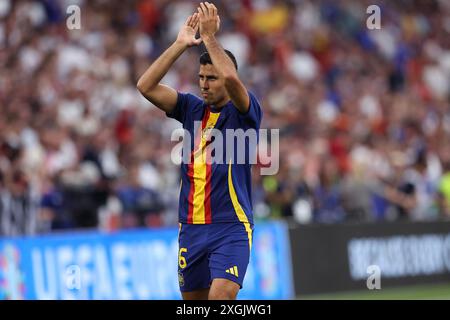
(210, 251)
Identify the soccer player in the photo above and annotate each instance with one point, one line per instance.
(215, 211)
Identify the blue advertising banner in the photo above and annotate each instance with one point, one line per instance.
(138, 264)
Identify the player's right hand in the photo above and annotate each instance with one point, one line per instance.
(188, 31)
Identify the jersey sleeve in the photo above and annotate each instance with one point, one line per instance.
(254, 114)
(185, 103)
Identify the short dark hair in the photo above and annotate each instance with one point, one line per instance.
(206, 59)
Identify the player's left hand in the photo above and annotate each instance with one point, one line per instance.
(209, 19)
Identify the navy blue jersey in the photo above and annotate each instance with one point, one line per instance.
(216, 192)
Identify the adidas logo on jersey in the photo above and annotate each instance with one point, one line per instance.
(233, 271)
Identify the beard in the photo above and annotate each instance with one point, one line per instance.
(209, 99)
(212, 100)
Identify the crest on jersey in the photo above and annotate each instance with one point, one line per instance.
(206, 133)
(180, 279)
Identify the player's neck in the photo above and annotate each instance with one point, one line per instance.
(222, 103)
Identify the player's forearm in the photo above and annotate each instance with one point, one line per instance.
(219, 58)
(224, 65)
(158, 69)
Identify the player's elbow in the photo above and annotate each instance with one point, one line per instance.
(141, 86)
(145, 86)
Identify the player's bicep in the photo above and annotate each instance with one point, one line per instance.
(238, 93)
(162, 96)
(253, 116)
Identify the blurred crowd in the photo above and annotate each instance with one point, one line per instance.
(364, 115)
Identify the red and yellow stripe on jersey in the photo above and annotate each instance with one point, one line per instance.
(199, 172)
